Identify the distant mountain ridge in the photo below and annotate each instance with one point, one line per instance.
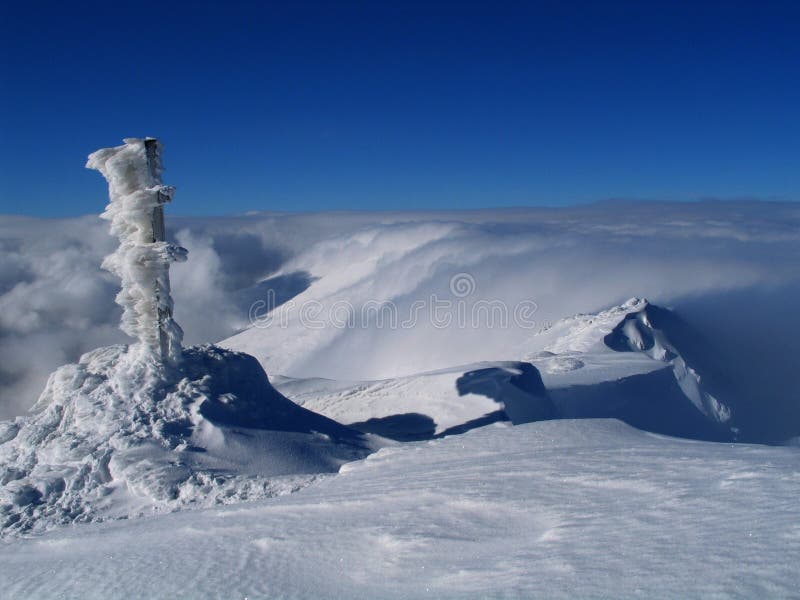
(618, 363)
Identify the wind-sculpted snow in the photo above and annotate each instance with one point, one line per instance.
(731, 269)
(555, 509)
(428, 405)
(618, 363)
(114, 436)
(643, 331)
(691, 403)
(148, 427)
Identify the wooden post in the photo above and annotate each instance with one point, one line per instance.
(164, 313)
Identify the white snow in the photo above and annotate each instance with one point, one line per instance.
(428, 404)
(111, 437)
(734, 262)
(556, 509)
(609, 364)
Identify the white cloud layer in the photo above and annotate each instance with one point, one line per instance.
(56, 302)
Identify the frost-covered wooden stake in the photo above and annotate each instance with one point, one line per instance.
(152, 148)
(136, 212)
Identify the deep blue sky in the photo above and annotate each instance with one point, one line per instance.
(306, 106)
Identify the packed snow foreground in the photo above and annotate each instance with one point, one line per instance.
(151, 426)
(554, 509)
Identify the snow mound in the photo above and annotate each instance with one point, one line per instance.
(429, 405)
(115, 436)
(563, 364)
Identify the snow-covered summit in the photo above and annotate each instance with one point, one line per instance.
(586, 331)
(647, 365)
(116, 437)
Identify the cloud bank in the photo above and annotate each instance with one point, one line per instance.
(56, 302)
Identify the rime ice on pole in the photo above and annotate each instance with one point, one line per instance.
(152, 427)
(135, 209)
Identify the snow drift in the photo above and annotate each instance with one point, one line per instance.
(555, 509)
(429, 405)
(639, 363)
(112, 438)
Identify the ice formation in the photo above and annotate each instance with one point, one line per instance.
(151, 426)
(135, 209)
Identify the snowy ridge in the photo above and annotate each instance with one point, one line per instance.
(151, 427)
(645, 330)
(117, 437)
(635, 328)
(613, 364)
(584, 332)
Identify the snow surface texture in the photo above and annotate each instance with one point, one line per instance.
(617, 363)
(141, 261)
(429, 404)
(555, 509)
(111, 438)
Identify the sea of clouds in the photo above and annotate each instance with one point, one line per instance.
(730, 268)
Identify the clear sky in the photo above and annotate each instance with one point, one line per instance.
(387, 105)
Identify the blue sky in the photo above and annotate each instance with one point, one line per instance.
(378, 105)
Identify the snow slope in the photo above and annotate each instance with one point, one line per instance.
(429, 404)
(640, 363)
(115, 436)
(555, 509)
(617, 363)
(564, 261)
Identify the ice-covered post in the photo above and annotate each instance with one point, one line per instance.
(152, 151)
(136, 212)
